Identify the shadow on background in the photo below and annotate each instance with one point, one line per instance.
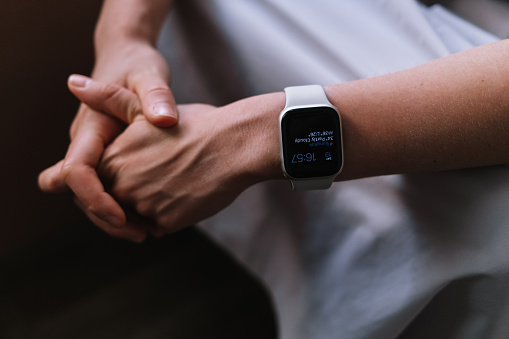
(61, 277)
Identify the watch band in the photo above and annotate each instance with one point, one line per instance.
(312, 184)
(301, 97)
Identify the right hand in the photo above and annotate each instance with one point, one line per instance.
(135, 65)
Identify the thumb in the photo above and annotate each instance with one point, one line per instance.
(157, 100)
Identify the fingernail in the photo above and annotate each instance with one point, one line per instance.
(163, 109)
(114, 221)
(79, 80)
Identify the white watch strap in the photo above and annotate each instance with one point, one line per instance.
(312, 184)
(308, 96)
(301, 96)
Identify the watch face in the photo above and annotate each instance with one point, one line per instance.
(311, 141)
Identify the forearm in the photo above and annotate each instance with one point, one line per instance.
(138, 20)
(126, 54)
(448, 114)
(451, 113)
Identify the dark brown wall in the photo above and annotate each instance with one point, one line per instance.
(60, 276)
(42, 42)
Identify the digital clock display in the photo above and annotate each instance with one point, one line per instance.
(311, 142)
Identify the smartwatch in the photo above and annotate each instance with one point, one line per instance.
(310, 137)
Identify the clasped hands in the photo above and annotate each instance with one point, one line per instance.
(170, 177)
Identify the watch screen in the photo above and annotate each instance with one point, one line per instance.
(311, 142)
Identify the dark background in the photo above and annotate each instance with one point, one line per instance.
(60, 277)
(42, 42)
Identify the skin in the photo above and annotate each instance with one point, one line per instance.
(448, 114)
(125, 39)
(200, 143)
(451, 113)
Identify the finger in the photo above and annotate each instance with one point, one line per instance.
(108, 98)
(130, 231)
(157, 100)
(78, 169)
(77, 120)
(145, 223)
(51, 181)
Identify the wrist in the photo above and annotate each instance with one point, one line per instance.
(115, 40)
(124, 21)
(259, 131)
(120, 50)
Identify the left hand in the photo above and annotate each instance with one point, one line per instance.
(182, 175)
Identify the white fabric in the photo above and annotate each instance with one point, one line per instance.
(421, 256)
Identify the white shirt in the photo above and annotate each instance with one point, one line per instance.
(413, 256)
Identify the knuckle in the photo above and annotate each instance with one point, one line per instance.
(144, 208)
(73, 170)
(158, 90)
(120, 192)
(111, 92)
(167, 222)
(68, 168)
(110, 161)
(94, 208)
(119, 101)
(133, 109)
